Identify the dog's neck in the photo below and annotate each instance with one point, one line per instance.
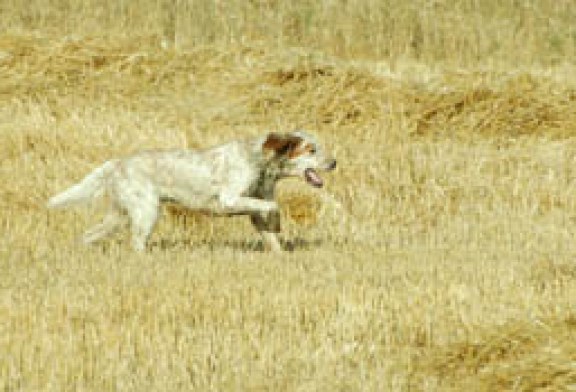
(264, 185)
(268, 169)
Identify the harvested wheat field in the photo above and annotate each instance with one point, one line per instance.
(438, 257)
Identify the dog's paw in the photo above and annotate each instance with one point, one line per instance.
(271, 207)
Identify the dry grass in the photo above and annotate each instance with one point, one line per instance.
(439, 256)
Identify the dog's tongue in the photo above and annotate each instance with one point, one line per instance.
(313, 178)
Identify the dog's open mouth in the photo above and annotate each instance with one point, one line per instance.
(313, 178)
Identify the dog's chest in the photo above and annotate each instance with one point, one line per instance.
(262, 186)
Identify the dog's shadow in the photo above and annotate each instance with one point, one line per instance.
(291, 245)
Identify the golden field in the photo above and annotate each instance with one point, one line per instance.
(439, 256)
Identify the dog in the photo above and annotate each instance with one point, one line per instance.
(237, 178)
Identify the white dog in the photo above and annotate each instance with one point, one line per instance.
(237, 178)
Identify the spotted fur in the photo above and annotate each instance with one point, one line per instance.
(237, 178)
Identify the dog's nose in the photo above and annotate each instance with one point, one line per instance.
(332, 165)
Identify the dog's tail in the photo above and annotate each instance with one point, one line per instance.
(90, 187)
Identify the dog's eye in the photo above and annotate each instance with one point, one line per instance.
(313, 150)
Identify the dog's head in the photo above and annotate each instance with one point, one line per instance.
(298, 154)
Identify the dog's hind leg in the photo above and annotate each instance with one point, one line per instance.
(143, 217)
(141, 203)
(111, 222)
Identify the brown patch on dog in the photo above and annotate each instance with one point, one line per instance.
(301, 150)
(309, 148)
(283, 144)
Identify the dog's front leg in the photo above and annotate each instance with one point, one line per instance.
(264, 214)
(246, 205)
(268, 226)
(270, 241)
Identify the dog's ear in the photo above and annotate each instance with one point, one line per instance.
(282, 144)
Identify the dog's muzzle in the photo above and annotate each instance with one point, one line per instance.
(312, 176)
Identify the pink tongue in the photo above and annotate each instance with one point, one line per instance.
(313, 178)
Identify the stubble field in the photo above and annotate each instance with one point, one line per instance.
(439, 256)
